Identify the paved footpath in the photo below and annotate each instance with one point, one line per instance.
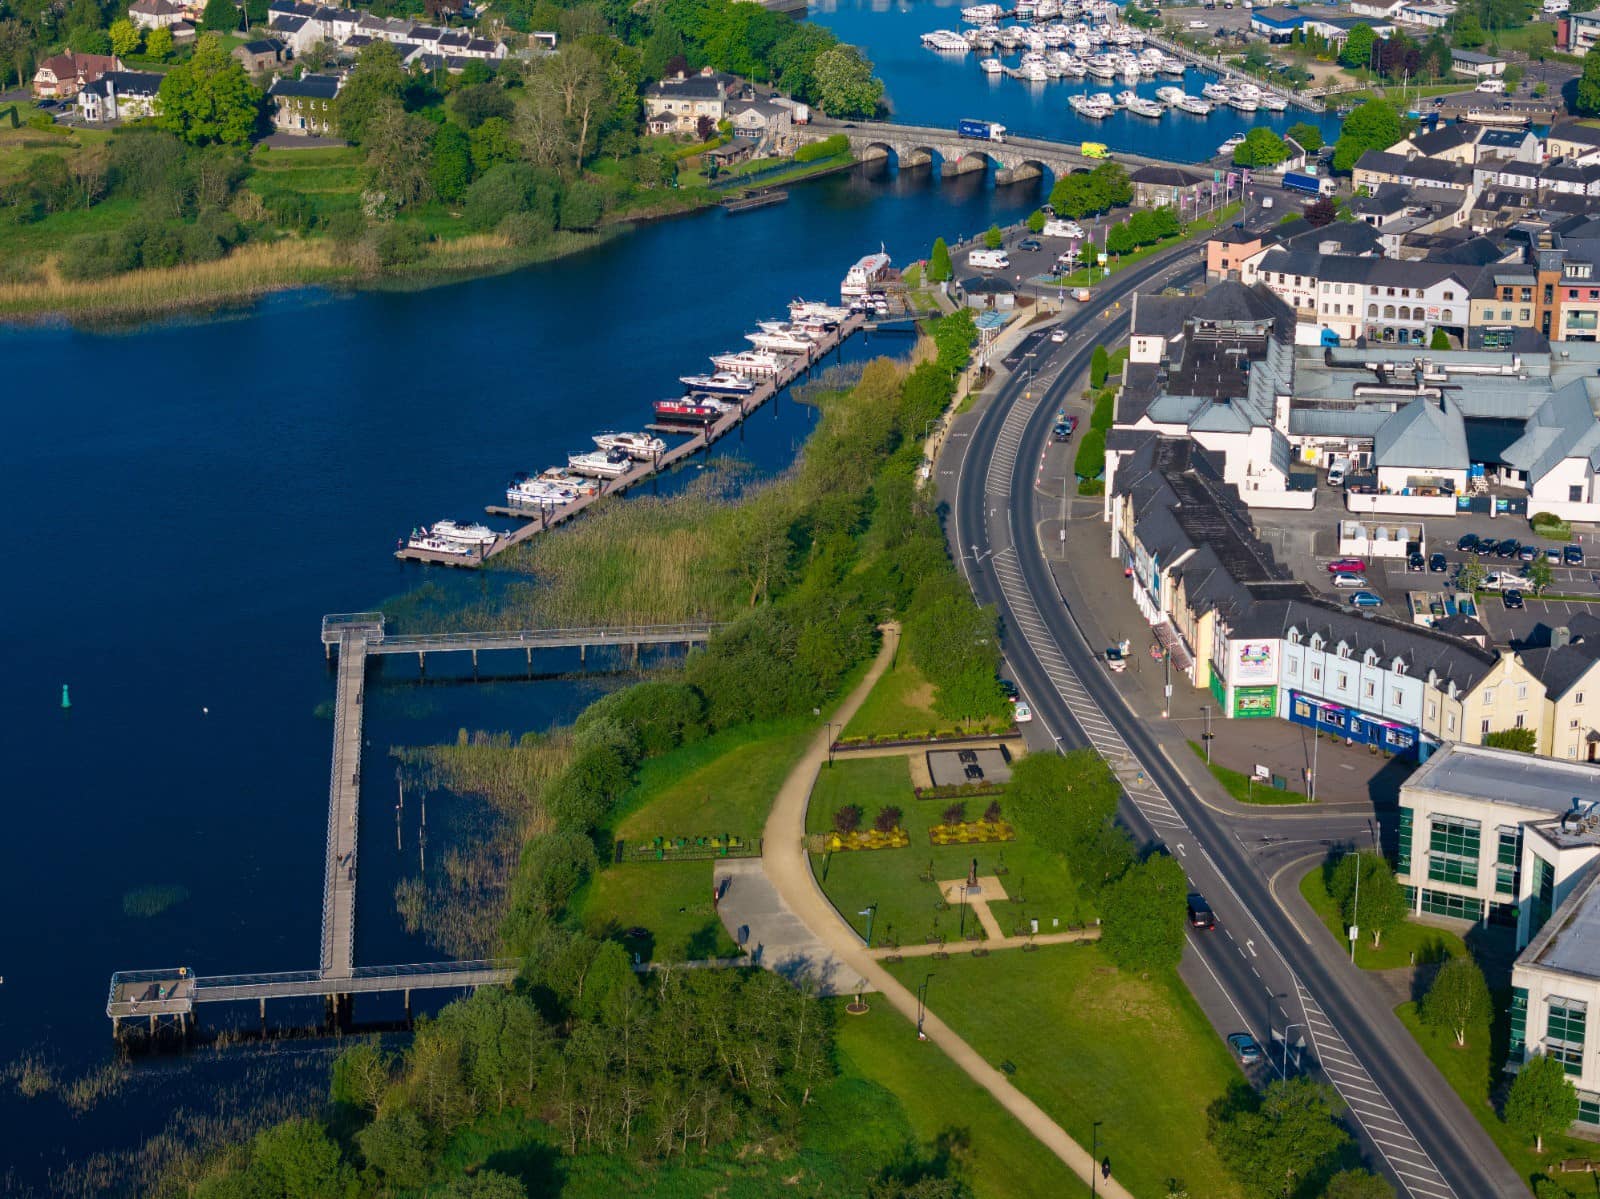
(784, 860)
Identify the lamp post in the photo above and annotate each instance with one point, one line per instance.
(922, 1005)
(1205, 710)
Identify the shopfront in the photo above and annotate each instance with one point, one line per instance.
(1254, 703)
(1353, 725)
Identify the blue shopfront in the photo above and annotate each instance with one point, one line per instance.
(1355, 726)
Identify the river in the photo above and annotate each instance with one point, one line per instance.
(193, 495)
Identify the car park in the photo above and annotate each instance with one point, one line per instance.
(1200, 913)
(1366, 599)
(1512, 598)
(1346, 566)
(1350, 582)
(1437, 564)
(1244, 1048)
(1572, 555)
(1415, 562)
(1468, 544)
(1552, 555)
(1487, 546)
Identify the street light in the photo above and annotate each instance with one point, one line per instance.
(1206, 736)
(922, 1005)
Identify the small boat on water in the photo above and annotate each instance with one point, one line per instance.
(424, 539)
(1271, 103)
(816, 310)
(1095, 107)
(756, 364)
(637, 445)
(466, 534)
(1140, 107)
(1188, 103)
(692, 410)
(864, 277)
(786, 342)
(1226, 149)
(982, 14)
(526, 492)
(992, 66)
(1216, 91)
(1242, 102)
(602, 464)
(725, 382)
(560, 476)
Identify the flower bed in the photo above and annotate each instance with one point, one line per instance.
(926, 737)
(871, 838)
(689, 849)
(959, 790)
(972, 832)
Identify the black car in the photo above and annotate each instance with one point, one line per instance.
(1486, 546)
(1513, 598)
(1508, 549)
(1468, 544)
(1527, 553)
(1437, 564)
(1200, 914)
(974, 771)
(1416, 562)
(1062, 432)
(1009, 690)
(1572, 555)
(1030, 244)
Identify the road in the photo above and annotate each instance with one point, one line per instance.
(1277, 980)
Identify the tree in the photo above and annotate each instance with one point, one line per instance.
(1458, 1000)
(1468, 32)
(1321, 211)
(220, 16)
(450, 162)
(209, 99)
(1099, 366)
(939, 268)
(1587, 100)
(845, 83)
(485, 1184)
(1142, 922)
(1542, 1101)
(1282, 1143)
(15, 44)
(1378, 903)
(1375, 125)
(1261, 148)
(376, 77)
(399, 1146)
(397, 144)
(1520, 740)
(297, 1160)
(1307, 135)
(158, 44)
(1440, 340)
(1036, 221)
(1471, 575)
(1357, 50)
(1540, 575)
(124, 37)
(1357, 1184)
(491, 143)
(993, 238)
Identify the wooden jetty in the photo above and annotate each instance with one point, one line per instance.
(167, 998)
(756, 200)
(539, 519)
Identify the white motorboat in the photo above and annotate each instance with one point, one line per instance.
(725, 382)
(560, 476)
(1009, 36)
(1102, 66)
(1072, 66)
(1095, 107)
(540, 492)
(1271, 103)
(781, 343)
(1216, 91)
(756, 364)
(1140, 107)
(815, 310)
(638, 445)
(1242, 102)
(1227, 148)
(982, 14)
(1033, 70)
(1169, 94)
(946, 42)
(1194, 104)
(865, 276)
(602, 464)
(423, 539)
(693, 409)
(474, 535)
(992, 66)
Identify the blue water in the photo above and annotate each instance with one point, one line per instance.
(925, 87)
(187, 500)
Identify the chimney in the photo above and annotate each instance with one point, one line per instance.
(1560, 636)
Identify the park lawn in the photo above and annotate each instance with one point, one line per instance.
(908, 913)
(1088, 1043)
(999, 1158)
(670, 900)
(1428, 943)
(1245, 789)
(723, 784)
(1470, 1074)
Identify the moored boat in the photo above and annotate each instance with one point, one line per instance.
(637, 445)
(864, 276)
(602, 464)
(691, 410)
(756, 364)
(423, 539)
(725, 382)
(466, 534)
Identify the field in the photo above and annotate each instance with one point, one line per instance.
(1090, 1044)
(1427, 943)
(329, 177)
(907, 913)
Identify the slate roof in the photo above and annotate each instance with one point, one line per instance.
(1426, 434)
(316, 87)
(1431, 169)
(127, 83)
(1444, 139)
(1561, 669)
(1164, 176)
(1563, 427)
(1574, 131)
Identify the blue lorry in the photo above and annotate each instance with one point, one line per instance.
(1311, 185)
(984, 131)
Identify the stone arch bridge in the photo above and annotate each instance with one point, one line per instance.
(1014, 160)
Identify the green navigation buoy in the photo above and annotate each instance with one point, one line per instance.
(66, 700)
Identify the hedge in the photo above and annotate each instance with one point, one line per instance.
(828, 147)
(1091, 460)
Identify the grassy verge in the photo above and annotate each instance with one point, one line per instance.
(1243, 787)
(901, 706)
(1090, 1044)
(1084, 276)
(1036, 881)
(1473, 1072)
(1403, 946)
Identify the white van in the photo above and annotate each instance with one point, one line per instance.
(1494, 86)
(1060, 228)
(989, 259)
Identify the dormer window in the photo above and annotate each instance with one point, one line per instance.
(1316, 641)
(1294, 636)
(1344, 650)
(1398, 666)
(1370, 658)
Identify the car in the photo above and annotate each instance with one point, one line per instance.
(1552, 555)
(1346, 566)
(1061, 432)
(1527, 553)
(1508, 548)
(973, 771)
(1200, 913)
(1486, 546)
(1244, 1048)
(1512, 598)
(1058, 334)
(1336, 476)
(1351, 582)
(1416, 562)
(1021, 713)
(1468, 544)
(1116, 659)
(1009, 689)
(1030, 244)
(1572, 555)
(1437, 564)
(966, 756)
(1366, 599)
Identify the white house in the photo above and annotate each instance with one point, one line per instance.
(1479, 66)
(119, 96)
(155, 14)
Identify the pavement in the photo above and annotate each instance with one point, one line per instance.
(776, 939)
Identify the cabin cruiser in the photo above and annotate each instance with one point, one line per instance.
(1140, 107)
(982, 14)
(946, 41)
(692, 409)
(474, 535)
(1272, 103)
(1032, 68)
(992, 66)
(753, 363)
(538, 493)
(424, 539)
(815, 310)
(865, 276)
(1226, 149)
(1072, 66)
(1216, 91)
(560, 476)
(1096, 106)
(602, 464)
(1102, 66)
(787, 342)
(1241, 101)
(725, 382)
(638, 445)
(1192, 104)
(1169, 94)
(1009, 36)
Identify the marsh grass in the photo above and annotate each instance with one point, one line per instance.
(153, 900)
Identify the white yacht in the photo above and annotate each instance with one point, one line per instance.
(637, 445)
(1272, 103)
(982, 14)
(525, 492)
(1032, 69)
(1242, 102)
(1124, 97)
(602, 464)
(1192, 104)
(755, 364)
(1140, 107)
(1009, 36)
(1227, 148)
(815, 310)
(473, 535)
(1102, 66)
(1072, 66)
(865, 276)
(992, 66)
(1216, 91)
(423, 539)
(787, 342)
(724, 382)
(1096, 106)
(1169, 94)
(946, 41)
(560, 476)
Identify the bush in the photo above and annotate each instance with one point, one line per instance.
(888, 819)
(956, 813)
(993, 238)
(1090, 461)
(347, 226)
(1099, 366)
(520, 229)
(511, 187)
(396, 244)
(662, 715)
(96, 255)
(992, 812)
(828, 147)
(1036, 221)
(582, 206)
(848, 818)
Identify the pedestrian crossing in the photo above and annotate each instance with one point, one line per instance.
(1007, 442)
(1369, 1107)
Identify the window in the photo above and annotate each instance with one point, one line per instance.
(1522, 691)
(1578, 699)
(1294, 663)
(1316, 674)
(1519, 1023)
(1449, 295)
(1371, 688)
(1403, 853)
(1563, 1032)
(1544, 894)
(1523, 314)
(1344, 680)
(1485, 729)
(1453, 851)
(1588, 1107)
(1433, 709)
(1443, 903)
(1508, 853)
(1450, 723)
(1488, 696)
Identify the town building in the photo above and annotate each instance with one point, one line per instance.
(1569, 668)
(61, 75)
(1556, 980)
(1230, 248)
(304, 106)
(1478, 66)
(1574, 141)
(119, 96)
(1427, 16)
(1377, 167)
(156, 14)
(1168, 187)
(1582, 31)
